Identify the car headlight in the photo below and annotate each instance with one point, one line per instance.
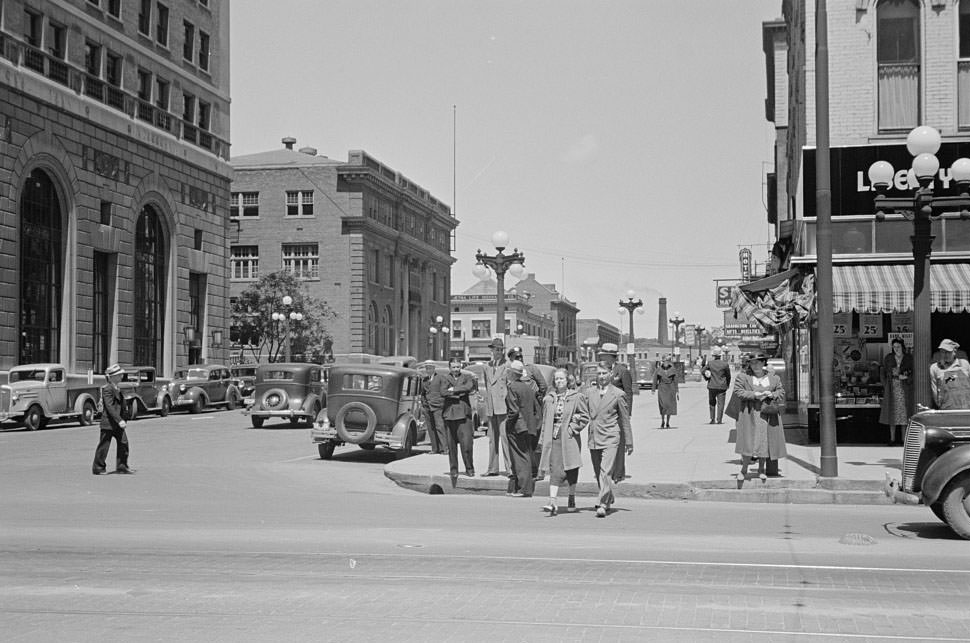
(182, 388)
(14, 397)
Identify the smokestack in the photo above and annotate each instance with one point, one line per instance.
(662, 321)
(289, 142)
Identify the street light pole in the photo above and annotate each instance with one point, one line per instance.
(922, 208)
(676, 320)
(499, 263)
(286, 318)
(630, 304)
(699, 333)
(439, 325)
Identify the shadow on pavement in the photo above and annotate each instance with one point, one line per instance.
(925, 530)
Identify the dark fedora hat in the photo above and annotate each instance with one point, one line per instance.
(761, 357)
(496, 343)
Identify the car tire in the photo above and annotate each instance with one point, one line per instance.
(258, 421)
(275, 399)
(355, 437)
(954, 499)
(367, 447)
(34, 418)
(166, 406)
(198, 405)
(314, 412)
(408, 447)
(326, 450)
(937, 509)
(87, 413)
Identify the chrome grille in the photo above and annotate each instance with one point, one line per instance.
(911, 451)
(4, 399)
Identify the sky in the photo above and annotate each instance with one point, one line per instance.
(621, 144)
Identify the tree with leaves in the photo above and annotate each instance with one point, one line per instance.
(253, 326)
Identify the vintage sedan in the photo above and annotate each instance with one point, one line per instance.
(294, 392)
(245, 377)
(144, 392)
(370, 405)
(200, 386)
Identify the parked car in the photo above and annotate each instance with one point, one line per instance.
(936, 467)
(35, 394)
(370, 405)
(199, 386)
(144, 392)
(645, 370)
(245, 378)
(288, 391)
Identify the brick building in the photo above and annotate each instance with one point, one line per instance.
(366, 239)
(114, 130)
(893, 65)
(545, 299)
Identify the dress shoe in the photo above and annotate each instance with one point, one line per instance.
(98, 472)
(571, 503)
(124, 470)
(552, 508)
(470, 473)
(454, 478)
(600, 511)
(489, 474)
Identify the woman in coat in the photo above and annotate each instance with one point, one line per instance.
(665, 381)
(897, 394)
(760, 433)
(561, 450)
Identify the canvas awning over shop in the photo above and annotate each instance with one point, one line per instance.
(889, 287)
(776, 301)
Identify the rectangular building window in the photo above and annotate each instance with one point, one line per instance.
(145, 17)
(161, 27)
(198, 239)
(963, 68)
(244, 204)
(203, 51)
(188, 41)
(481, 328)
(299, 203)
(161, 94)
(92, 58)
(114, 8)
(102, 311)
(303, 260)
(389, 271)
(188, 108)
(898, 57)
(32, 28)
(205, 113)
(106, 212)
(244, 262)
(196, 314)
(456, 328)
(145, 85)
(113, 69)
(56, 40)
(374, 266)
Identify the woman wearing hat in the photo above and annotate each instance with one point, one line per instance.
(561, 449)
(760, 433)
(897, 396)
(665, 382)
(950, 378)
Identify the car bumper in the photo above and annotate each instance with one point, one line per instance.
(320, 435)
(287, 413)
(893, 490)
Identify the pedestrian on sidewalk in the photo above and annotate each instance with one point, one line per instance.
(113, 409)
(620, 378)
(533, 376)
(760, 433)
(897, 395)
(457, 413)
(603, 411)
(718, 376)
(950, 378)
(496, 390)
(432, 401)
(522, 424)
(666, 389)
(561, 449)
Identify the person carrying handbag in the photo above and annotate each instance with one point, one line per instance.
(760, 433)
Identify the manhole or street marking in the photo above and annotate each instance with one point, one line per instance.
(410, 546)
(857, 539)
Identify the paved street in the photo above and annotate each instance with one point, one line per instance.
(227, 533)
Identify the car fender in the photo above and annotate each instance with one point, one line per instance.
(310, 400)
(942, 470)
(401, 427)
(193, 393)
(81, 399)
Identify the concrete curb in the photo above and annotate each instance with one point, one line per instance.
(779, 491)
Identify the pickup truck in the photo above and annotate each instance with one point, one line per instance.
(35, 394)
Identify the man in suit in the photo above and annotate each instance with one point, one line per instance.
(433, 401)
(539, 385)
(603, 411)
(523, 429)
(718, 376)
(457, 413)
(620, 378)
(496, 389)
(112, 424)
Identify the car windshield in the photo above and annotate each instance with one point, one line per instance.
(279, 375)
(27, 376)
(244, 372)
(193, 374)
(129, 377)
(363, 382)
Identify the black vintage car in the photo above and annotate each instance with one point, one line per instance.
(288, 391)
(936, 467)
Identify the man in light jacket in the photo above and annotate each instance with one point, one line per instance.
(602, 410)
(496, 389)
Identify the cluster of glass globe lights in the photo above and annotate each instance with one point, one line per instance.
(293, 316)
(923, 143)
(501, 241)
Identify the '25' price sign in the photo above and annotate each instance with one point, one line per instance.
(842, 326)
(870, 325)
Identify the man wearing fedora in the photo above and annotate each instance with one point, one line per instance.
(620, 378)
(496, 390)
(112, 424)
(718, 376)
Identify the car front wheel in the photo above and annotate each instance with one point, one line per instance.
(87, 413)
(166, 407)
(408, 446)
(197, 406)
(34, 419)
(956, 505)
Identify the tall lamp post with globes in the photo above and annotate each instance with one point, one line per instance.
(499, 263)
(439, 327)
(676, 321)
(286, 317)
(630, 304)
(921, 208)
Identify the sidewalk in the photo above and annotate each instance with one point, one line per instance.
(693, 460)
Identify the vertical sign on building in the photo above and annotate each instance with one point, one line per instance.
(744, 256)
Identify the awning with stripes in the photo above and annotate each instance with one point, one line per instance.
(889, 287)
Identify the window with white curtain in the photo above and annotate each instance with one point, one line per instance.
(898, 57)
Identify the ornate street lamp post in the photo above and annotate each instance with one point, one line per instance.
(676, 320)
(286, 318)
(699, 334)
(921, 208)
(439, 325)
(630, 304)
(500, 263)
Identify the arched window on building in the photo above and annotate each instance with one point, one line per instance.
(40, 270)
(149, 289)
(963, 66)
(372, 328)
(898, 57)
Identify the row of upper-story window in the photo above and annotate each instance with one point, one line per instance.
(482, 329)
(381, 269)
(387, 213)
(300, 259)
(300, 203)
(899, 61)
(44, 34)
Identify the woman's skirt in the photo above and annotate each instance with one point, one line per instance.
(558, 476)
